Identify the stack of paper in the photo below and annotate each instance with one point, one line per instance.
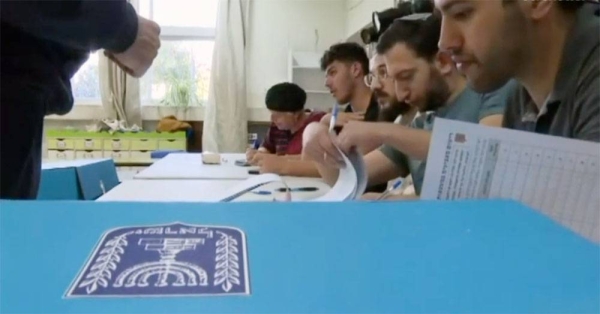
(350, 185)
(560, 177)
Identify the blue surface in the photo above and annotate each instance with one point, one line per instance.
(418, 257)
(59, 184)
(77, 179)
(97, 178)
(158, 154)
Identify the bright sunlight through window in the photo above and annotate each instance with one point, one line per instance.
(184, 60)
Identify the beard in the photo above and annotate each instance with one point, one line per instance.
(438, 92)
(390, 112)
(506, 54)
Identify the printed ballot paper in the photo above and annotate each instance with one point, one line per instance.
(350, 185)
(560, 177)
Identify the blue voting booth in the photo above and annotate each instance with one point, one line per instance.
(417, 257)
(77, 179)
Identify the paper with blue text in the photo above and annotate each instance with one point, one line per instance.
(557, 176)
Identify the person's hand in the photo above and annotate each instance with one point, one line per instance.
(318, 146)
(272, 164)
(371, 196)
(257, 157)
(250, 154)
(390, 197)
(343, 118)
(365, 136)
(138, 58)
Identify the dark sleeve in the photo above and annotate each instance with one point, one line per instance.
(512, 113)
(587, 126)
(268, 143)
(80, 24)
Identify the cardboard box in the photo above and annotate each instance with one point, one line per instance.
(77, 179)
(346, 257)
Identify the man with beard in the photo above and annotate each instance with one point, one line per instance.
(550, 47)
(390, 109)
(425, 78)
(382, 86)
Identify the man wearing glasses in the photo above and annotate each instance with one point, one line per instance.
(424, 78)
(382, 86)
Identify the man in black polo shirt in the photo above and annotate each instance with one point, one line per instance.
(550, 47)
(345, 67)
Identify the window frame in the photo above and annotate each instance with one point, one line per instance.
(168, 33)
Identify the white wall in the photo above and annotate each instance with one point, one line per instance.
(359, 13)
(276, 26)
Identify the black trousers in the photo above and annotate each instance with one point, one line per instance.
(22, 111)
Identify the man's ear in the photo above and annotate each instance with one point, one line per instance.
(356, 69)
(536, 9)
(443, 62)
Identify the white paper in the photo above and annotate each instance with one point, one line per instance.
(190, 167)
(560, 177)
(245, 187)
(351, 183)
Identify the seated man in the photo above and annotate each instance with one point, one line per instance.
(425, 78)
(283, 141)
(390, 109)
(551, 47)
(382, 86)
(346, 66)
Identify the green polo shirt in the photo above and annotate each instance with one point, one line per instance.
(573, 108)
(469, 106)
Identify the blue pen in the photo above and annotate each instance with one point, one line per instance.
(385, 194)
(256, 144)
(334, 114)
(262, 192)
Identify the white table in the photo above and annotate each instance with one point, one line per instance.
(203, 190)
(190, 167)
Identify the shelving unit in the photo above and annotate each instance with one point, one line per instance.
(304, 70)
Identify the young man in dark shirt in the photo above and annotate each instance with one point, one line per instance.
(43, 45)
(346, 66)
(550, 47)
(281, 148)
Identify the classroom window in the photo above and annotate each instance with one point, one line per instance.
(185, 57)
(86, 82)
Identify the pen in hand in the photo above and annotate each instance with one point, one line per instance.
(333, 120)
(392, 188)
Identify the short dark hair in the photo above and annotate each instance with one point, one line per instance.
(285, 97)
(570, 5)
(346, 52)
(422, 36)
(565, 5)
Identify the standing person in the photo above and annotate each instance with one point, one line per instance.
(43, 45)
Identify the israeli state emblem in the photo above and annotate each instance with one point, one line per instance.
(167, 260)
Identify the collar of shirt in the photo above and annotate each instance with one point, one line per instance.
(372, 113)
(582, 38)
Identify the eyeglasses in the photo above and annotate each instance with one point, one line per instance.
(380, 76)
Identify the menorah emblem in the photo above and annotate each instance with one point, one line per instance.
(168, 248)
(173, 259)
